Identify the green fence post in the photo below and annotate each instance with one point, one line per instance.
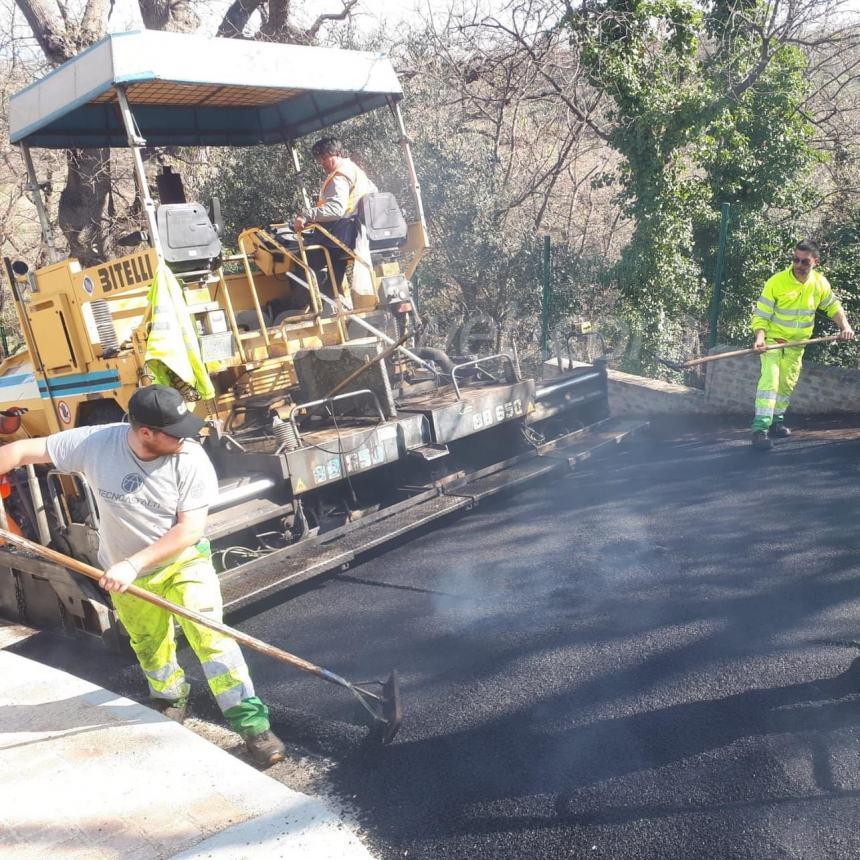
(717, 296)
(546, 299)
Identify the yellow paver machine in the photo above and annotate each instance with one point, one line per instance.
(333, 429)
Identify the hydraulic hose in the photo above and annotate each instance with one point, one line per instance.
(437, 356)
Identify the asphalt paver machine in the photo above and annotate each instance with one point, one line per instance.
(333, 429)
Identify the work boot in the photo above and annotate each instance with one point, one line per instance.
(778, 430)
(265, 748)
(176, 710)
(760, 440)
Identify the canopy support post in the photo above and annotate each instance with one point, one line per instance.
(136, 143)
(410, 165)
(297, 166)
(47, 233)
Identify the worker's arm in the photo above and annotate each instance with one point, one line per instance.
(829, 304)
(24, 452)
(845, 330)
(335, 199)
(333, 203)
(189, 529)
(763, 314)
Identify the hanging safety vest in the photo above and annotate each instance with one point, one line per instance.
(172, 344)
(786, 308)
(359, 185)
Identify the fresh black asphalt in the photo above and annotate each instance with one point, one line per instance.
(649, 659)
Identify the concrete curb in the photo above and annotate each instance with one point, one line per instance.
(91, 774)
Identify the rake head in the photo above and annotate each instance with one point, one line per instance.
(672, 365)
(383, 707)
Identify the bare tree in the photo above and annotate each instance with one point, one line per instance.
(505, 108)
(833, 106)
(277, 21)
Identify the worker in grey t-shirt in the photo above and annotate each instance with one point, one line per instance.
(153, 484)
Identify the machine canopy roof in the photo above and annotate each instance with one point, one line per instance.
(195, 91)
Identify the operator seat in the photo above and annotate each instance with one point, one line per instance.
(189, 239)
(189, 236)
(383, 222)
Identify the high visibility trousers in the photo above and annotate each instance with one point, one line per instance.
(780, 370)
(193, 584)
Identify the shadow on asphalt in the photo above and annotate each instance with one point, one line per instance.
(568, 763)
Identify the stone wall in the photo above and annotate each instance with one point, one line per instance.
(730, 386)
(638, 395)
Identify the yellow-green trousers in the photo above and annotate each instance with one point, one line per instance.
(780, 370)
(191, 581)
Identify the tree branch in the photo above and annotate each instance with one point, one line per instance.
(93, 21)
(332, 16)
(47, 29)
(236, 18)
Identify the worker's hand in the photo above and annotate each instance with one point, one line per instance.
(299, 224)
(847, 333)
(119, 576)
(759, 344)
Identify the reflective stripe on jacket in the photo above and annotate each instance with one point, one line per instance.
(786, 308)
(359, 185)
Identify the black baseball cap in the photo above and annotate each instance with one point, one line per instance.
(163, 408)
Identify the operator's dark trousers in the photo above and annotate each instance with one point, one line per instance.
(345, 230)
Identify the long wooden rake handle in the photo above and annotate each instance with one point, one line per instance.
(252, 642)
(751, 351)
(375, 360)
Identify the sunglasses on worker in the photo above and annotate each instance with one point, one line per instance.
(803, 261)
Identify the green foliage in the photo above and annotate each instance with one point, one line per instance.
(698, 123)
(840, 249)
(255, 185)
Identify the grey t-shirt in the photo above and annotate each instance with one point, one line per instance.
(138, 500)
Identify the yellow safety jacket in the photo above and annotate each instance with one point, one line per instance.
(359, 185)
(786, 308)
(172, 344)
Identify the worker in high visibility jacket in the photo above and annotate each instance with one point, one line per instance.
(336, 210)
(785, 312)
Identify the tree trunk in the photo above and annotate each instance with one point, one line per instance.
(177, 16)
(236, 18)
(83, 214)
(48, 30)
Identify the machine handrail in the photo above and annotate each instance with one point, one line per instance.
(499, 355)
(89, 498)
(584, 336)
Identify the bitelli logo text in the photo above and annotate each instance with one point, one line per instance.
(125, 273)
